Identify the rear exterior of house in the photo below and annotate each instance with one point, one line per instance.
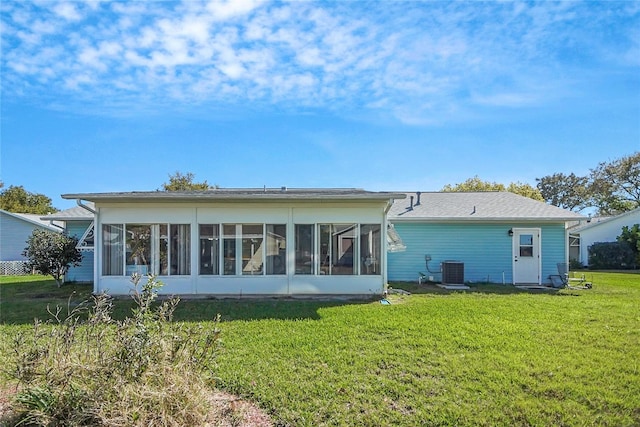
(243, 242)
(494, 237)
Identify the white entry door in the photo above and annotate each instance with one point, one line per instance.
(526, 255)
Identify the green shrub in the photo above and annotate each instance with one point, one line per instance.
(575, 264)
(611, 255)
(87, 369)
(631, 236)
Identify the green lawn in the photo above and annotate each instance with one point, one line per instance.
(489, 356)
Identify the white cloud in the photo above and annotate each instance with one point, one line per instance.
(225, 9)
(67, 11)
(420, 62)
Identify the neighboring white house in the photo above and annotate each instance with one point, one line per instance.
(15, 229)
(243, 241)
(606, 230)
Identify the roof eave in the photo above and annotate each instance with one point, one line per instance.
(483, 219)
(161, 196)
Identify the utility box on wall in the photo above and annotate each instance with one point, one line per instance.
(452, 273)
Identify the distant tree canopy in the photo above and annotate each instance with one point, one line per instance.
(17, 199)
(185, 182)
(615, 186)
(476, 184)
(611, 187)
(565, 191)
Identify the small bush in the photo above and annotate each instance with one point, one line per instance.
(88, 369)
(575, 264)
(611, 255)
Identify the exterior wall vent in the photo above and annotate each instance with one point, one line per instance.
(452, 273)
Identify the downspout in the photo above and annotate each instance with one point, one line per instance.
(79, 202)
(51, 223)
(385, 253)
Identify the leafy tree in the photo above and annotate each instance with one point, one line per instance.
(615, 186)
(52, 253)
(17, 199)
(565, 191)
(185, 182)
(631, 236)
(476, 184)
(525, 190)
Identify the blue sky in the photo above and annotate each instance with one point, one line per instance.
(115, 96)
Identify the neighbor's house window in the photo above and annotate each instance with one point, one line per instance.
(159, 249)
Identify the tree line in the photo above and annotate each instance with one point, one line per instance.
(611, 187)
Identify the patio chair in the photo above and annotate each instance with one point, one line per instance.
(562, 279)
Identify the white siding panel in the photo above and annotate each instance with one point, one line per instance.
(605, 232)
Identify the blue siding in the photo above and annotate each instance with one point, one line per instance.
(485, 249)
(13, 237)
(83, 273)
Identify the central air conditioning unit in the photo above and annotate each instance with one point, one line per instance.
(452, 273)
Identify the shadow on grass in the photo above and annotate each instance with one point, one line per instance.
(21, 303)
(482, 288)
(257, 309)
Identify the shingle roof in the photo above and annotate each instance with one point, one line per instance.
(75, 213)
(244, 194)
(34, 219)
(476, 206)
(596, 222)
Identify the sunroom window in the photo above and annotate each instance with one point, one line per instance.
(337, 249)
(370, 249)
(159, 249)
(304, 245)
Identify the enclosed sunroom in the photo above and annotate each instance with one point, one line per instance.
(243, 242)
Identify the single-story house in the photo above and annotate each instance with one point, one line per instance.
(78, 222)
(495, 237)
(602, 230)
(242, 242)
(15, 229)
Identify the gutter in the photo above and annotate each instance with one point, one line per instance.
(85, 207)
(56, 225)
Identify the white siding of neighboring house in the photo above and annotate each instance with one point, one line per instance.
(14, 233)
(289, 213)
(606, 231)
